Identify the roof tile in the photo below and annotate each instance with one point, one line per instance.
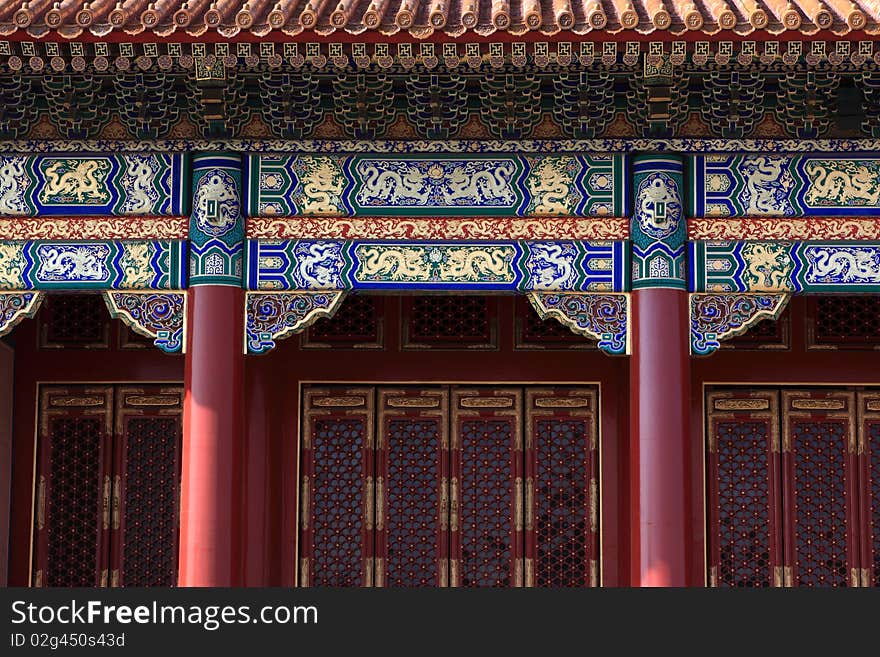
(422, 18)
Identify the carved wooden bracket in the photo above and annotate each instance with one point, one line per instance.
(272, 316)
(16, 306)
(716, 317)
(157, 315)
(603, 317)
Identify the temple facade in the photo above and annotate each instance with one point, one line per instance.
(551, 293)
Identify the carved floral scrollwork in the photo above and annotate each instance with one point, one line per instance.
(16, 306)
(272, 316)
(603, 317)
(157, 315)
(716, 317)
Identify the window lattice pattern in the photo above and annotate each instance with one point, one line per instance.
(743, 513)
(449, 320)
(562, 501)
(820, 502)
(873, 438)
(338, 502)
(413, 465)
(75, 320)
(71, 519)
(486, 549)
(764, 334)
(847, 320)
(355, 322)
(548, 332)
(150, 557)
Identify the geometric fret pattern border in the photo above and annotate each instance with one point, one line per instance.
(603, 317)
(273, 316)
(716, 317)
(16, 306)
(157, 315)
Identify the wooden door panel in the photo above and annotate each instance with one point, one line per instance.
(486, 488)
(744, 532)
(869, 488)
(561, 487)
(819, 487)
(412, 487)
(145, 508)
(337, 488)
(72, 522)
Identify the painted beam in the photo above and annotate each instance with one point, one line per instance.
(94, 265)
(801, 267)
(784, 185)
(430, 266)
(114, 184)
(436, 184)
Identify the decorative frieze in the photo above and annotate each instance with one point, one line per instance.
(106, 184)
(485, 266)
(99, 265)
(428, 185)
(437, 228)
(784, 185)
(784, 267)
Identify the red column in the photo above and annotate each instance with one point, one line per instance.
(659, 389)
(210, 512)
(262, 463)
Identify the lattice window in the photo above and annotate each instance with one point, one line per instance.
(765, 334)
(128, 339)
(744, 519)
(74, 321)
(107, 505)
(872, 437)
(844, 322)
(338, 502)
(820, 513)
(72, 509)
(562, 496)
(357, 324)
(486, 541)
(413, 505)
(534, 333)
(150, 520)
(452, 322)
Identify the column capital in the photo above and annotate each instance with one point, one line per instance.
(658, 230)
(216, 230)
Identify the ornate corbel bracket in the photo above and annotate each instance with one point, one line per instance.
(157, 315)
(272, 316)
(716, 317)
(603, 317)
(16, 306)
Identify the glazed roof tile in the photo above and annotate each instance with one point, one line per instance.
(453, 18)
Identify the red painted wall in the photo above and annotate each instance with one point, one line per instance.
(281, 371)
(34, 366)
(795, 366)
(7, 359)
(270, 451)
